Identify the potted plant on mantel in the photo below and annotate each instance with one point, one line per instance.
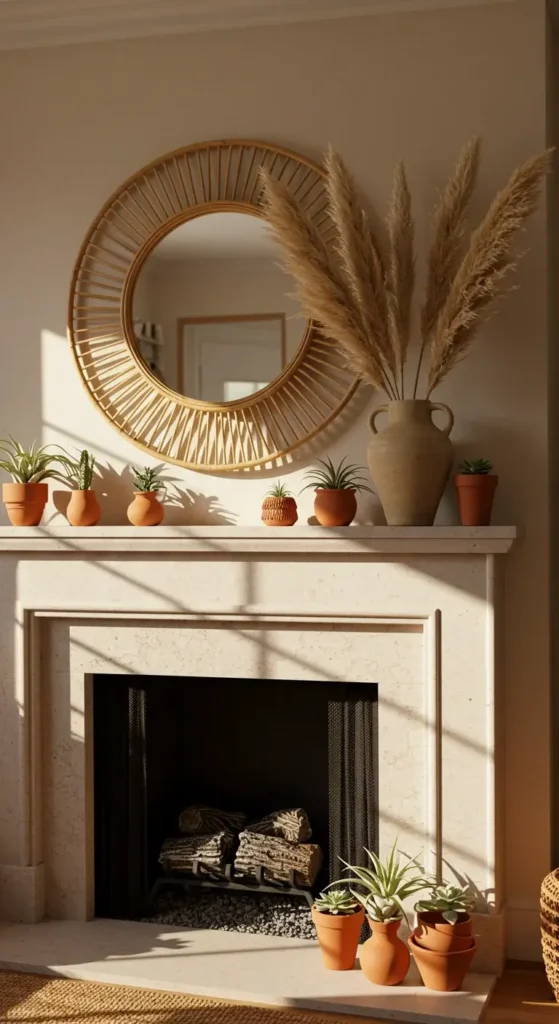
(279, 507)
(338, 918)
(443, 944)
(25, 498)
(335, 487)
(146, 509)
(475, 488)
(384, 957)
(358, 290)
(83, 507)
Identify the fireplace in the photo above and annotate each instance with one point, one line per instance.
(254, 746)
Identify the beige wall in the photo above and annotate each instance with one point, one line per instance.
(75, 122)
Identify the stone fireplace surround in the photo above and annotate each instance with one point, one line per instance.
(415, 610)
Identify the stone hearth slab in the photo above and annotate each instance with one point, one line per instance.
(227, 965)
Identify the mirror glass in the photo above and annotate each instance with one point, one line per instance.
(213, 316)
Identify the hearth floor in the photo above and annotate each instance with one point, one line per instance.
(228, 965)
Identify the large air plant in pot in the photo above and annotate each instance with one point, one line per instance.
(30, 468)
(358, 289)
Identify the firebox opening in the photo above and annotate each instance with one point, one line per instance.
(164, 744)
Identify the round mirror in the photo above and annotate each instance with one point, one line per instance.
(212, 313)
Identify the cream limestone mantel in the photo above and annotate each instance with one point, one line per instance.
(415, 610)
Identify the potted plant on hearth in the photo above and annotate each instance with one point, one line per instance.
(335, 487)
(146, 509)
(338, 918)
(384, 958)
(279, 507)
(443, 944)
(25, 498)
(475, 486)
(83, 507)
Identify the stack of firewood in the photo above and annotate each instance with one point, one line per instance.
(275, 849)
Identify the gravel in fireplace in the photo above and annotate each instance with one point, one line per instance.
(258, 913)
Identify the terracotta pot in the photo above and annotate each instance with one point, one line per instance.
(442, 972)
(83, 509)
(410, 461)
(25, 503)
(279, 512)
(434, 933)
(335, 507)
(338, 938)
(476, 492)
(384, 958)
(146, 509)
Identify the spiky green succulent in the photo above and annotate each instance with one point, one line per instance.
(336, 478)
(279, 490)
(337, 901)
(448, 900)
(80, 471)
(386, 884)
(475, 467)
(30, 465)
(147, 479)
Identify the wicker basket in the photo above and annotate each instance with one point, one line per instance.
(279, 511)
(549, 917)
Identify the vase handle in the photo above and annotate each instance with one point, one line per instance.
(372, 419)
(438, 406)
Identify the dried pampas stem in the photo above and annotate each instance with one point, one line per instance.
(446, 249)
(401, 271)
(321, 288)
(478, 281)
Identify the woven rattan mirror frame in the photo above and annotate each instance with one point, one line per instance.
(262, 428)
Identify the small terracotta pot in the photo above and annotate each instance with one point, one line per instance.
(338, 938)
(442, 972)
(146, 509)
(279, 512)
(384, 958)
(335, 507)
(475, 492)
(83, 509)
(434, 933)
(25, 503)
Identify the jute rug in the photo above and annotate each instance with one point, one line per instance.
(39, 999)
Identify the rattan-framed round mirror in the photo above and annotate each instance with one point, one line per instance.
(191, 201)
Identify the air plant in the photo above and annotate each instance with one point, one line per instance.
(337, 901)
(386, 885)
(279, 490)
(448, 900)
(475, 467)
(32, 465)
(147, 479)
(337, 478)
(81, 471)
(358, 289)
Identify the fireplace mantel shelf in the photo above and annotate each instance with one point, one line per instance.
(250, 540)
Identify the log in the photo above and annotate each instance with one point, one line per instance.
(291, 824)
(212, 851)
(197, 819)
(278, 858)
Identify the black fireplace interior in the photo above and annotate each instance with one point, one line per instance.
(163, 743)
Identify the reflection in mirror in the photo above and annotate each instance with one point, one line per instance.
(212, 313)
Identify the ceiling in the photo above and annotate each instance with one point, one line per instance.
(30, 23)
(218, 236)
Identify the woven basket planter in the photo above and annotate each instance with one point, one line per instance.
(549, 918)
(279, 511)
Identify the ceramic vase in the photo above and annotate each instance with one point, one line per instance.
(410, 461)
(335, 507)
(338, 938)
(25, 503)
(384, 958)
(145, 509)
(83, 509)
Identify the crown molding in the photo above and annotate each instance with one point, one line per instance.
(28, 24)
